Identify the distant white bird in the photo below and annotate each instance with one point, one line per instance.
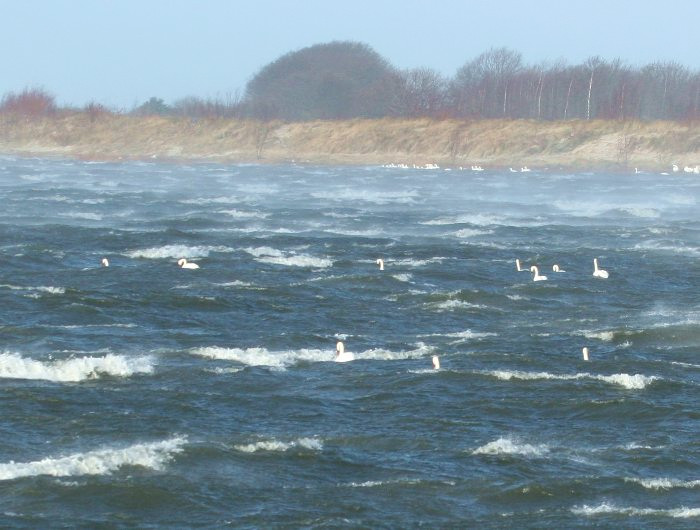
(513, 170)
(675, 168)
(585, 353)
(340, 355)
(636, 171)
(556, 268)
(184, 264)
(525, 169)
(519, 267)
(436, 362)
(105, 262)
(537, 277)
(598, 273)
(380, 262)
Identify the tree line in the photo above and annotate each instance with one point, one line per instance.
(345, 80)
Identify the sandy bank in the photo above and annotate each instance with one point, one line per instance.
(494, 143)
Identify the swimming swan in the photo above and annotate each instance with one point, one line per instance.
(184, 264)
(436, 362)
(598, 273)
(105, 262)
(380, 262)
(340, 355)
(556, 268)
(520, 268)
(537, 277)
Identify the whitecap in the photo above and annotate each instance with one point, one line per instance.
(374, 197)
(176, 252)
(83, 215)
(632, 382)
(664, 483)
(606, 508)
(606, 336)
(13, 366)
(402, 277)
(507, 446)
(273, 445)
(451, 305)
(468, 232)
(238, 214)
(274, 256)
(152, 455)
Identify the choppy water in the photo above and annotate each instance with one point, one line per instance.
(147, 395)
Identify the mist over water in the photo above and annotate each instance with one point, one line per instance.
(151, 395)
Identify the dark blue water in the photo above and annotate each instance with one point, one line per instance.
(143, 394)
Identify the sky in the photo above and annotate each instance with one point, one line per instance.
(122, 52)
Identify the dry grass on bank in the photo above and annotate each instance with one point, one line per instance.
(580, 144)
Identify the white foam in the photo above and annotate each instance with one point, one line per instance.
(40, 288)
(238, 214)
(363, 195)
(176, 251)
(664, 483)
(402, 277)
(606, 336)
(211, 200)
(312, 444)
(666, 247)
(283, 359)
(451, 305)
(689, 365)
(152, 455)
(632, 382)
(472, 219)
(13, 366)
(277, 257)
(506, 446)
(468, 232)
(606, 508)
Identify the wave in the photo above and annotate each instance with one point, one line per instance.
(283, 359)
(664, 483)
(277, 257)
(13, 366)
(468, 232)
(176, 251)
(400, 481)
(374, 197)
(238, 214)
(451, 305)
(152, 455)
(606, 508)
(606, 336)
(273, 445)
(668, 247)
(86, 216)
(507, 446)
(211, 200)
(472, 219)
(402, 277)
(632, 382)
(40, 288)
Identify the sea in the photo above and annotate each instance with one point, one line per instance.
(147, 395)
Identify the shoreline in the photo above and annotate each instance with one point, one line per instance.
(493, 144)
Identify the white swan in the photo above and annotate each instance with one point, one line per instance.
(340, 354)
(520, 268)
(436, 362)
(537, 277)
(525, 169)
(184, 264)
(675, 168)
(380, 262)
(513, 170)
(585, 353)
(598, 273)
(105, 262)
(556, 268)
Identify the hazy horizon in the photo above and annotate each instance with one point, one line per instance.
(121, 54)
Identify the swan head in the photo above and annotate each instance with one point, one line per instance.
(105, 262)
(534, 269)
(436, 362)
(585, 353)
(339, 347)
(380, 262)
(181, 262)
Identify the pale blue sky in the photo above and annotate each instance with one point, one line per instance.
(120, 53)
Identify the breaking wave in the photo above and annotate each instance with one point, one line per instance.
(13, 366)
(99, 462)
